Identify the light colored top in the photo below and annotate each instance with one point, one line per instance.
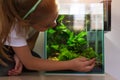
(18, 39)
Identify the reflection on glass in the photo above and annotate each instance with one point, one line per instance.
(79, 33)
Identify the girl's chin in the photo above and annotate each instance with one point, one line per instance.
(42, 30)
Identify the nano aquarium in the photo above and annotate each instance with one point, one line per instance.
(79, 33)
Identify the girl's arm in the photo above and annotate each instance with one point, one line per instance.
(34, 63)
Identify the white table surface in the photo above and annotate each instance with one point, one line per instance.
(38, 76)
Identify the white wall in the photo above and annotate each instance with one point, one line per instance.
(112, 43)
(39, 46)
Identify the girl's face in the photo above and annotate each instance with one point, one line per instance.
(48, 22)
(44, 18)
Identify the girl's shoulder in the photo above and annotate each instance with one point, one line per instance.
(16, 38)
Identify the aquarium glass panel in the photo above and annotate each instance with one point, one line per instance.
(79, 33)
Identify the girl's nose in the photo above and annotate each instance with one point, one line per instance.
(54, 24)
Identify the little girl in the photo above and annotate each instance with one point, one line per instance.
(17, 18)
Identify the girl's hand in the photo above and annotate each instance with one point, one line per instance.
(18, 67)
(82, 64)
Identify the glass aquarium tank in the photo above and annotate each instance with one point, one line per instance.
(79, 33)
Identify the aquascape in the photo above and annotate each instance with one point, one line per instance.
(65, 43)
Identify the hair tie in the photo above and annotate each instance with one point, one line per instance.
(32, 9)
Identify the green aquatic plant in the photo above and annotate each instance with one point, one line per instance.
(65, 44)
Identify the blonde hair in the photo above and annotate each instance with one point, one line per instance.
(12, 10)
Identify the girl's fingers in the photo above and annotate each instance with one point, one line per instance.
(16, 71)
(89, 68)
(83, 59)
(90, 62)
(17, 62)
(89, 65)
(13, 73)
